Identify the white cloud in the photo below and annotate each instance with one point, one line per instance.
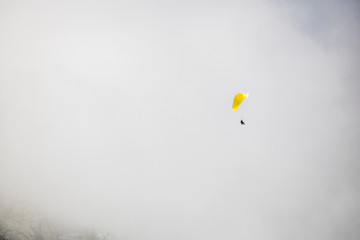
(117, 115)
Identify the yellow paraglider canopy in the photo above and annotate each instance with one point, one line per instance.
(238, 100)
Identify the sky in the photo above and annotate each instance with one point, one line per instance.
(116, 115)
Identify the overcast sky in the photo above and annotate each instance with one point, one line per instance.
(117, 115)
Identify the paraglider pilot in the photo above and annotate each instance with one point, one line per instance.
(242, 122)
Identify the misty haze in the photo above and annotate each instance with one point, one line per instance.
(116, 120)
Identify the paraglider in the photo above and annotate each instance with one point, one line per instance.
(237, 101)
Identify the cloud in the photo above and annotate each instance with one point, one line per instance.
(117, 116)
